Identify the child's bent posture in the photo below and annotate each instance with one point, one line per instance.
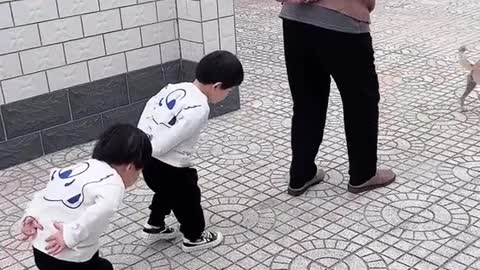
(173, 120)
(66, 219)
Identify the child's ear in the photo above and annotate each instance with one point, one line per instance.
(217, 85)
(131, 167)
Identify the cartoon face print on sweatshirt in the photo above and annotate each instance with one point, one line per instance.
(67, 185)
(167, 111)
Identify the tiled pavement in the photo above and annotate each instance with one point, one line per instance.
(428, 219)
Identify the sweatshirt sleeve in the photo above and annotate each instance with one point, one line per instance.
(107, 200)
(188, 123)
(33, 209)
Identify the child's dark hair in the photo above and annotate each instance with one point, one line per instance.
(123, 144)
(220, 66)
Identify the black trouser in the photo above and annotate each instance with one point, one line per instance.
(175, 190)
(47, 262)
(312, 55)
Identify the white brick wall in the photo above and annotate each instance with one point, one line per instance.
(30, 11)
(107, 4)
(101, 22)
(188, 9)
(206, 26)
(190, 30)
(166, 10)
(2, 101)
(107, 66)
(170, 51)
(123, 41)
(5, 16)
(19, 38)
(227, 34)
(61, 30)
(75, 7)
(48, 45)
(211, 36)
(10, 66)
(84, 49)
(143, 58)
(225, 8)
(191, 50)
(67, 76)
(209, 9)
(25, 87)
(158, 33)
(42, 58)
(139, 15)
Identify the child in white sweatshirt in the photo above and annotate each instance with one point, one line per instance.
(66, 219)
(173, 120)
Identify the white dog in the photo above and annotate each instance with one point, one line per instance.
(473, 77)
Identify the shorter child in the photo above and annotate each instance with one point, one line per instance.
(66, 219)
(173, 120)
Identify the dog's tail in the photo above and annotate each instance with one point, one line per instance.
(463, 60)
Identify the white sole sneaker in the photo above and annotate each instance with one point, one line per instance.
(191, 247)
(153, 237)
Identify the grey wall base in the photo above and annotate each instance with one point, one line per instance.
(45, 124)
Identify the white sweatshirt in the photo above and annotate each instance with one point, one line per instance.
(173, 120)
(83, 197)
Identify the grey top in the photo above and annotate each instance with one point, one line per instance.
(324, 18)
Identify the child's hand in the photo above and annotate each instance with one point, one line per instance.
(56, 243)
(30, 228)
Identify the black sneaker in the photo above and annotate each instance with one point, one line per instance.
(153, 233)
(207, 240)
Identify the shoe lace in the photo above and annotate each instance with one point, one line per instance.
(207, 235)
(168, 230)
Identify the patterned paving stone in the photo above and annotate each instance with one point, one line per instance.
(417, 216)
(398, 145)
(463, 172)
(328, 254)
(15, 183)
(235, 150)
(239, 219)
(135, 257)
(64, 157)
(436, 117)
(10, 233)
(139, 193)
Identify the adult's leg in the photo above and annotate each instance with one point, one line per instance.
(310, 88)
(356, 78)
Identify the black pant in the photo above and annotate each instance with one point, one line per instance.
(312, 55)
(175, 190)
(47, 262)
